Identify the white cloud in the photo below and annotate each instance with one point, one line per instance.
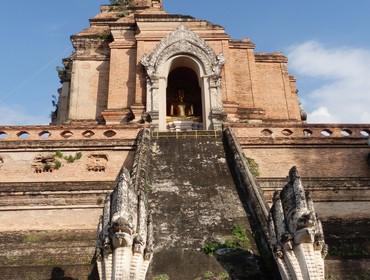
(16, 115)
(344, 93)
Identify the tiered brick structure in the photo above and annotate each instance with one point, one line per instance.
(140, 67)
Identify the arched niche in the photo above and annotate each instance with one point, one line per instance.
(184, 48)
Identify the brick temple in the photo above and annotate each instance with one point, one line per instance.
(176, 152)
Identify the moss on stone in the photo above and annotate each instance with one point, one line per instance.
(253, 167)
(161, 277)
(209, 275)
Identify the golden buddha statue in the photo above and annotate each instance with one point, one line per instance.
(181, 109)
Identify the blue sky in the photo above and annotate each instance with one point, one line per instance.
(327, 42)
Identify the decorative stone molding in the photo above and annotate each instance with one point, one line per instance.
(125, 232)
(296, 234)
(87, 48)
(97, 162)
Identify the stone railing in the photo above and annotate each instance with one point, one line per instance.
(50, 133)
(251, 194)
(296, 234)
(302, 131)
(125, 233)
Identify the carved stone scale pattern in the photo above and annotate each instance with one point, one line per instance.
(296, 234)
(125, 232)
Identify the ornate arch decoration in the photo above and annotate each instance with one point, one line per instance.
(183, 41)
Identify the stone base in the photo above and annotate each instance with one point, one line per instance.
(184, 126)
(138, 111)
(116, 116)
(231, 109)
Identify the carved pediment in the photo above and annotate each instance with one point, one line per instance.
(183, 41)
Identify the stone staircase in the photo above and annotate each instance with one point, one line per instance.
(195, 205)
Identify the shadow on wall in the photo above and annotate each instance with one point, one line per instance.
(241, 264)
(58, 274)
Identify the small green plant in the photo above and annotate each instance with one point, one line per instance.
(239, 240)
(223, 276)
(58, 154)
(211, 247)
(69, 159)
(105, 37)
(162, 277)
(47, 167)
(240, 237)
(208, 275)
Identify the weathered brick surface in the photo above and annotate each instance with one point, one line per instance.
(35, 255)
(311, 162)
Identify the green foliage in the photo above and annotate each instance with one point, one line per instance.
(162, 277)
(209, 275)
(58, 154)
(239, 240)
(240, 237)
(47, 166)
(253, 167)
(210, 248)
(68, 159)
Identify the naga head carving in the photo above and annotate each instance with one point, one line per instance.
(306, 220)
(293, 223)
(121, 231)
(139, 244)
